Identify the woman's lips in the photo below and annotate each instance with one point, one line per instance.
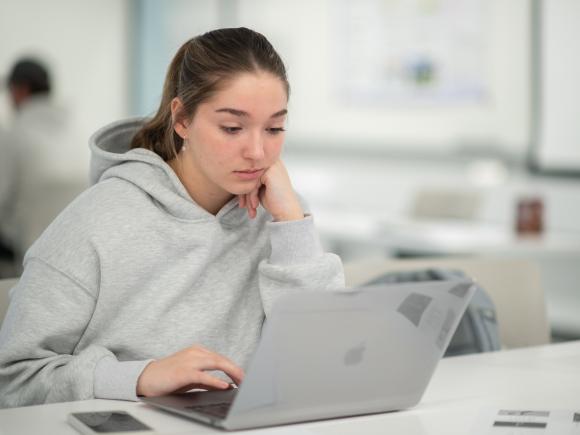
(250, 174)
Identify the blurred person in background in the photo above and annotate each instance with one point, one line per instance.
(28, 84)
(31, 155)
(8, 195)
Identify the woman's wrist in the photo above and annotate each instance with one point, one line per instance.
(292, 214)
(289, 217)
(141, 387)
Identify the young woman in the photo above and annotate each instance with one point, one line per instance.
(158, 278)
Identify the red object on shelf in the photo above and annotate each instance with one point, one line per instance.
(530, 216)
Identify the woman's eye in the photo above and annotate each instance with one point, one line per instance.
(276, 130)
(230, 130)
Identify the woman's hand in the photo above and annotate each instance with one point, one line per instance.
(186, 370)
(274, 191)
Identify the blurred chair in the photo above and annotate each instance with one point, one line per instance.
(445, 204)
(8, 268)
(513, 285)
(38, 206)
(41, 204)
(5, 286)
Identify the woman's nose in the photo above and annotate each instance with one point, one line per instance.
(254, 148)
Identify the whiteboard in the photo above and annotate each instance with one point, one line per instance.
(558, 139)
(333, 50)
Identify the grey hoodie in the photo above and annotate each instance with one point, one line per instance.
(134, 270)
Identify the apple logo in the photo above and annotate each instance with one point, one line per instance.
(355, 355)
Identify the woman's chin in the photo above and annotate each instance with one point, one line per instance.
(242, 188)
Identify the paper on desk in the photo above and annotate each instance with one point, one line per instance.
(528, 422)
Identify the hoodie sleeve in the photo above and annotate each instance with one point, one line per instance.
(48, 314)
(297, 262)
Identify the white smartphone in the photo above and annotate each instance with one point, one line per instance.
(108, 422)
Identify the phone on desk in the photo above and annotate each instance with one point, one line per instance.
(108, 423)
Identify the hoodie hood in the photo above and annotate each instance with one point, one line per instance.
(111, 157)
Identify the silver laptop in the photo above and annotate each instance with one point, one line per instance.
(335, 354)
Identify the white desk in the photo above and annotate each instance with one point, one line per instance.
(543, 378)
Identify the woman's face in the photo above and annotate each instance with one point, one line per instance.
(236, 134)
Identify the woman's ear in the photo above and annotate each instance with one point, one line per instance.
(179, 125)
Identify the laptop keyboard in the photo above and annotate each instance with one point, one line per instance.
(215, 409)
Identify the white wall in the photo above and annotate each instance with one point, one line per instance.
(86, 46)
(559, 138)
(160, 29)
(307, 34)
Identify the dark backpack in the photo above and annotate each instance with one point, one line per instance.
(477, 331)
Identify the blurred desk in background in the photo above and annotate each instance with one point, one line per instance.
(412, 238)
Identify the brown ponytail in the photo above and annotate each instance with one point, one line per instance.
(195, 73)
